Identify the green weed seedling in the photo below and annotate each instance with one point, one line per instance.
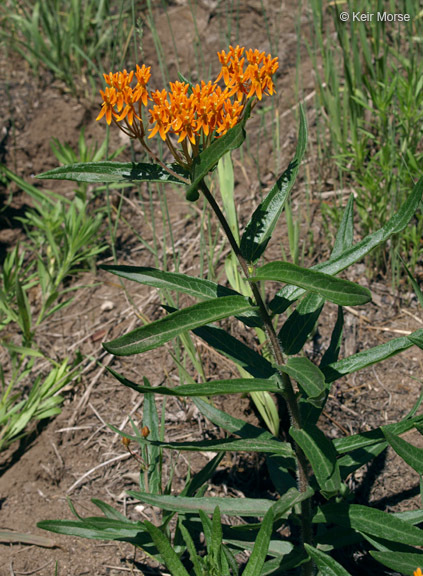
(313, 525)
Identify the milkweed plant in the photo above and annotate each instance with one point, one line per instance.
(312, 523)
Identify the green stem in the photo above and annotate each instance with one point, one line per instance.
(288, 390)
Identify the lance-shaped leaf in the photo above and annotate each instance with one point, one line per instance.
(116, 172)
(260, 228)
(322, 457)
(409, 453)
(230, 506)
(332, 353)
(297, 328)
(157, 333)
(368, 357)
(212, 388)
(169, 556)
(337, 290)
(98, 529)
(308, 376)
(207, 160)
(398, 222)
(357, 441)
(196, 287)
(371, 521)
(403, 562)
(237, 351)
(259, 444)
(261, 545)
(345, 235)
(327, 565)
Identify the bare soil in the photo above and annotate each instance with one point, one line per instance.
(76, 455)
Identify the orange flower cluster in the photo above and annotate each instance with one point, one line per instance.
(189, 113)
(418, 572)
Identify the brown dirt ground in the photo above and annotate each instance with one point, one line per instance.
(36, 479)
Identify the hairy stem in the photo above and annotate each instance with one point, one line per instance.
(288, 390)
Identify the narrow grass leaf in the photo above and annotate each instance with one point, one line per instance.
(337, 290)
(412, 455)
(299, 325)
(193, 556)
(230, 506)
(368, 357)
(111, 172)
(322, 457)
(207, 160)
(327, 566)
(169, 556)
(403, 562)
(261, 546)
(264, 219)
(108, 510)
(157, 333)
(396, 224)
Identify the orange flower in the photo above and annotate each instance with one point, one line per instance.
(109, 102)
(418, 572)
(142, 75)
(190, 113)
(129, 97)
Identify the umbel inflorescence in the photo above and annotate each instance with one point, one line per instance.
(188, 117)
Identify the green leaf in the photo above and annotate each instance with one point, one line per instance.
(412, 455)
(362, 439)
(327, 566)
(169, 556)
(368, 357)
(207, 160)
(289, 499)
(98, 529)
(202, 476)
(245, 430)
(400, 561)
(193, 556)
(109, 511)
(297, 328)
(337, 290)
(240, 353)
(261, 546)
(345, 235)
(332, 353)
(108, 172)
(351, 462)
(157, 333)
(213, 388)
(244, 507)
(322, 457)
(308, 376)
(196, 287)
(397, 222)
(260, 228)
(371, 521)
